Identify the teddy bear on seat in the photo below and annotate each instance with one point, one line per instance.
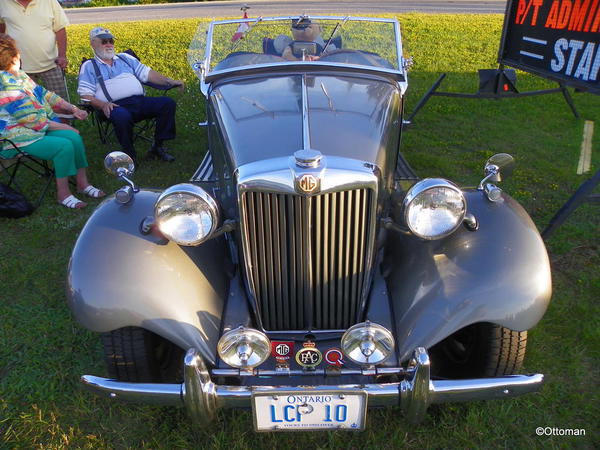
(305, 31)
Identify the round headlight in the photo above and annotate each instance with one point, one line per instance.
(367, 343)
(434, 208)
(244, 348)
(186, 214)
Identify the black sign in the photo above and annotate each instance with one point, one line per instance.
(556, 39)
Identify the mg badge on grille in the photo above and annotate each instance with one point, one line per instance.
(282, 350)
(308, 184)
(309, 356)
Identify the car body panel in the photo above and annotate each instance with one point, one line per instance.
(173, 291)
(263, 117)
(499, 274)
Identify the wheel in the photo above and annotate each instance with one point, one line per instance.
(479, 351)
(136, 354)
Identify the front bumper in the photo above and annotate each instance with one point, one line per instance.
(203, 398)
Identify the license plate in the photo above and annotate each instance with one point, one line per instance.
(302, 410)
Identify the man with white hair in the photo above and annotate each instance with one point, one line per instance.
(112, 83)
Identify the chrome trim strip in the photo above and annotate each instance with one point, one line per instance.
(311, 373)
(202, 397)
(280, 18)
(305, 119)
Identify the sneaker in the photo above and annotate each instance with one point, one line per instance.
(160, 153)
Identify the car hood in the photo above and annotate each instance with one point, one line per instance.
(350, 116)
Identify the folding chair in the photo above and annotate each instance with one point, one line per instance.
(11, 165)
(143, 130)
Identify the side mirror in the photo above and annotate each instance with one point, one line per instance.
(496, 169)
(500, 166)
(121, 165)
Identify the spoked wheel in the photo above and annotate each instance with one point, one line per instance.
(138, 355)
(478, 351)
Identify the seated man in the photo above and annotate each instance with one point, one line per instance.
(112, 83)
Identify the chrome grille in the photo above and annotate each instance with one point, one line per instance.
(308, 258)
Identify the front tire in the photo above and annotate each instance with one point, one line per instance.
(138, 355)
(479, 351)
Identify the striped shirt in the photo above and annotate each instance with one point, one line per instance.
(115, 77)
(25, 108)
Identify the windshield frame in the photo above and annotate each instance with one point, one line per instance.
(208, 76)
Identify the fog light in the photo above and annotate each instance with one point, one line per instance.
(367, 343)
(244, 348)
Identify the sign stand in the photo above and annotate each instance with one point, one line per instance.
(582, 195)
(493, 84)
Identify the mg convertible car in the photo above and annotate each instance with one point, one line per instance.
(305, 272)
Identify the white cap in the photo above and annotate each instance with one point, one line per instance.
(102, 33)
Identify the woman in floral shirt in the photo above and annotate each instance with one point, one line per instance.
(26, 113)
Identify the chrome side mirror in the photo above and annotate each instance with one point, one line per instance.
(119, 164)
(500, 166)
(122, 166)
(496, 169)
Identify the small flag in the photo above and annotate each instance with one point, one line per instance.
(243, 28)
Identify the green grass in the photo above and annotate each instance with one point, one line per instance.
(43, 351)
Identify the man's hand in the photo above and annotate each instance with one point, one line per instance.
(178, 84)
(107, 108)
(62, 62)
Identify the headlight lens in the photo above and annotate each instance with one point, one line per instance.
(367, 343)
(244, 348)
(186, 214)
(434, 208)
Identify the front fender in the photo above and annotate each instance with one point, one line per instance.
(498, 274)
(119, 277)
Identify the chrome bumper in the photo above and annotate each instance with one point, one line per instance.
(203, 398)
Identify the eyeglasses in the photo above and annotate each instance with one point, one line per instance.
(108, 41)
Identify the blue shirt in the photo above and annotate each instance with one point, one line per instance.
(123, 77)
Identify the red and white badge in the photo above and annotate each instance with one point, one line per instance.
(282, 350)
(334, 357)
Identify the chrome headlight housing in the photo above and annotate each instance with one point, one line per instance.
(434, 208)
(367, 343)
(244, 348)
(186, 214)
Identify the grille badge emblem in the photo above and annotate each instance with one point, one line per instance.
(334, 357)
(309, 357)
(308, 183)
(282, 350)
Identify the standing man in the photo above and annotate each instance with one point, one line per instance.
(38, 27)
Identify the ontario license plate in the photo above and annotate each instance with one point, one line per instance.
(302, 410)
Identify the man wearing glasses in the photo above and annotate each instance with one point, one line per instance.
(38, 28)
(112, 83)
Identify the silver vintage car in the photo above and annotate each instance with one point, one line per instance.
(305, 271)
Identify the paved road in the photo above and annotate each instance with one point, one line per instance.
(279, 8)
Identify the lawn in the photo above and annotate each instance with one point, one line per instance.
(43, 351)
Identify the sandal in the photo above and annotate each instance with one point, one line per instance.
(72, 202)
(93, 192)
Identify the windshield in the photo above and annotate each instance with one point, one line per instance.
(234, 44)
